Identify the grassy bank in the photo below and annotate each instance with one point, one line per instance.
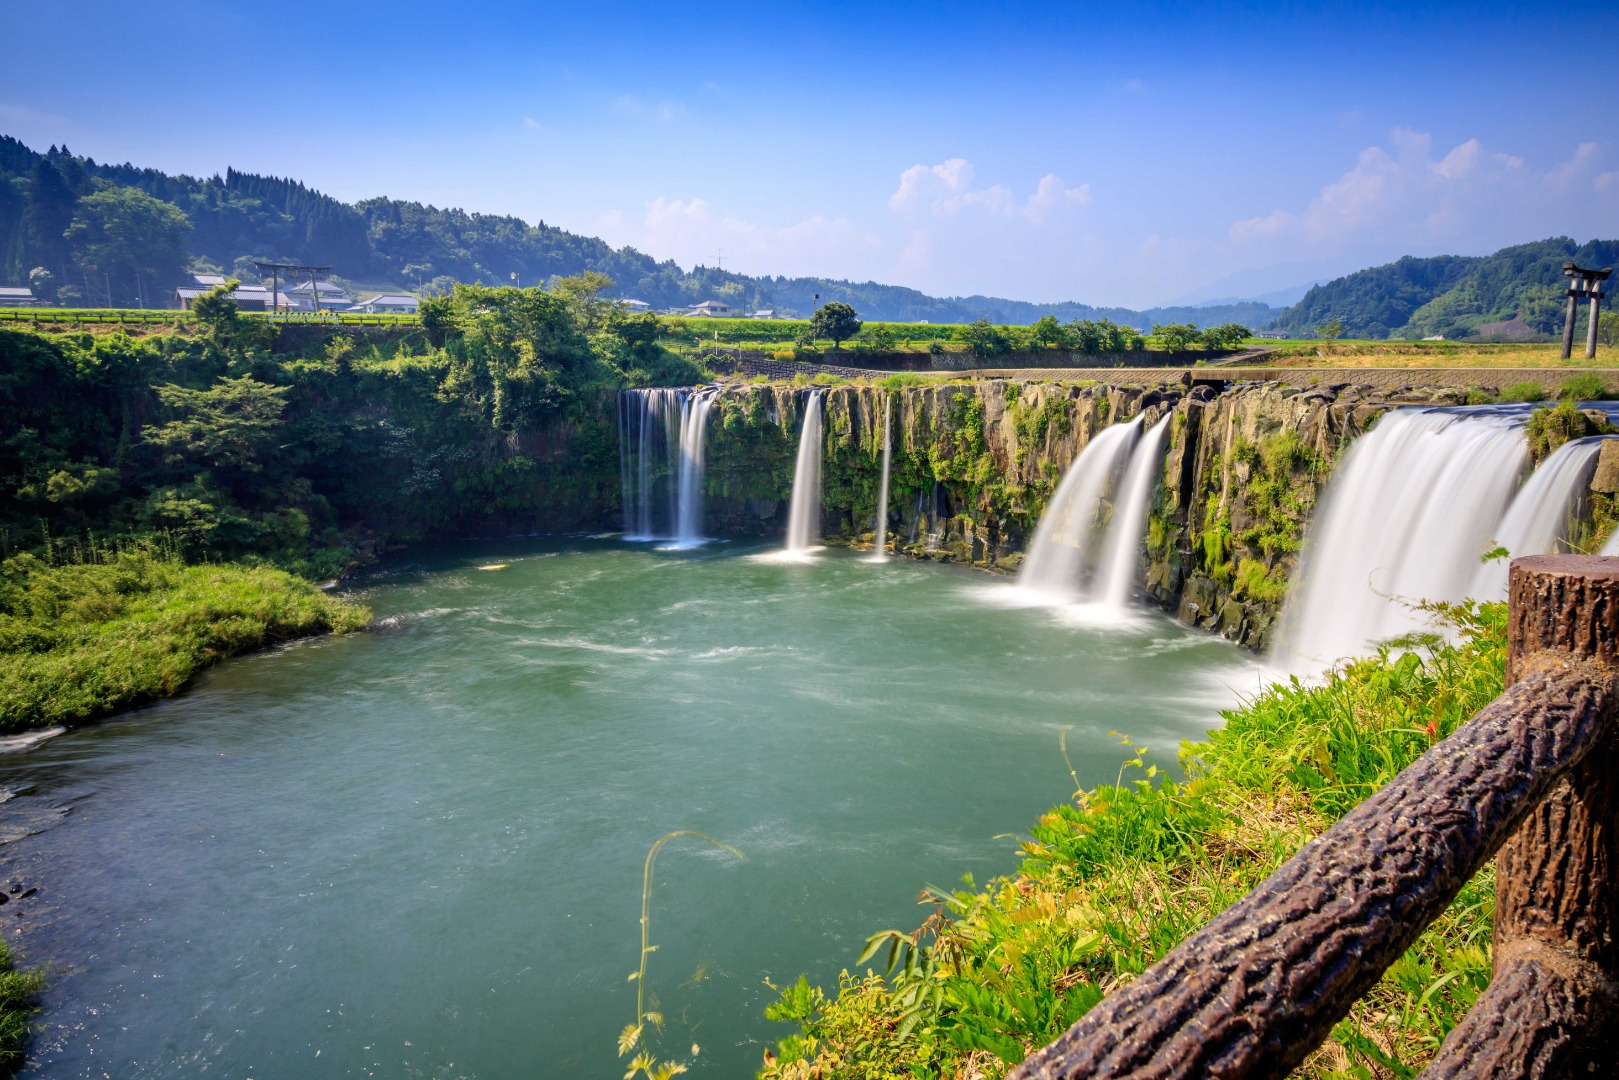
(82, 640)
(1428, 354)
(1111, 880)
(19, 992)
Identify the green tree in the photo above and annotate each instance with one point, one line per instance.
(836, 321)
(1331, 330)
(1175, 337)
(1226, 336)
(1048, 333)
(583, 294)
(232, 425)
(131, 241)
(881, 337)
(1608, 328)
(984, 339)
(216, 308)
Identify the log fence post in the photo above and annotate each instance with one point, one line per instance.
(1552, 1007)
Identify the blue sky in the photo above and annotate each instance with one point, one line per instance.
(1102, 153)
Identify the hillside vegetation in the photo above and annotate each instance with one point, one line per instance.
(1516, 293)
(311, 446)
(229, 220)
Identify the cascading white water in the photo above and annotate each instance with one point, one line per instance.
(689, 486)
(1066, 533)
(663, 428)
(882, 492)
(804, 513)
(1116, 578)
(1415, 504)
(1537, 521)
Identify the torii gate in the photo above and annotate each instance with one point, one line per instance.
(1583, 284)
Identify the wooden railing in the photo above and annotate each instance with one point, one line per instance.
(137, 317)
(1530, 781)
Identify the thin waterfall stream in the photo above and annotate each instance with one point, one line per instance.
(882, 491)
(1115, 580)
(1063, 542)
(804, 513)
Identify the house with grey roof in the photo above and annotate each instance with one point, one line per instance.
(387, 304)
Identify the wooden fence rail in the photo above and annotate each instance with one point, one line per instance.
(138, 317)
(1532, 776)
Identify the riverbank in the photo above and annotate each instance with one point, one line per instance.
(1113, 879)
(82, 640)
(19, 996)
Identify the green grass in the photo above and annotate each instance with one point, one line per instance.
(81, 640)
(1114, 878)
(19, 996)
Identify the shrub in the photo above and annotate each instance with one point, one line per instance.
(1586, 386)
(1524, 391)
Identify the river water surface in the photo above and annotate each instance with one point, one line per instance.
(417, 851)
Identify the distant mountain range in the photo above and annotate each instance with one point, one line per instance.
(123, 234)
(239, 217)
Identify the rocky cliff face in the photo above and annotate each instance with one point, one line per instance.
(974, 464)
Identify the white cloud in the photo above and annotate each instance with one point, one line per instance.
(693, 231)
(1470, 199)
(945, 190)
(1051, 195)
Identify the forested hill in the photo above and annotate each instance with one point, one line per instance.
(65, 213)
(1515, 293)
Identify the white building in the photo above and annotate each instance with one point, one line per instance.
(634, 307)
(763, 313)
(714, 309)
(387, 304)
(332, 297)
(16, 296)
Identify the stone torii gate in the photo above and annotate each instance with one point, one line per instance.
(1587, 285)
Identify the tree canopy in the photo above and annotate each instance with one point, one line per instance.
(836, 321)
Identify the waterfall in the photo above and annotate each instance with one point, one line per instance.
(804, 514)
(661, 434)
(1537, 521)
(1116, 578)
(689, 489)
(1414, 505)
(1065, 535)
(882, 492)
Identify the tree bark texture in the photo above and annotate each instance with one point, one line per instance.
(1553, 1001)
(1258, 988)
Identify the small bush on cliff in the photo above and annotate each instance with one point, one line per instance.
(1551, 427)
(1586, 386)
(1112, 879)
(1524, 391)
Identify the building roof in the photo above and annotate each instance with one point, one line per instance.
(23, 292)
(392, 298)
(627, 302)
(208, 281)
(711, 305)
(323, 287)
(764, 313)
